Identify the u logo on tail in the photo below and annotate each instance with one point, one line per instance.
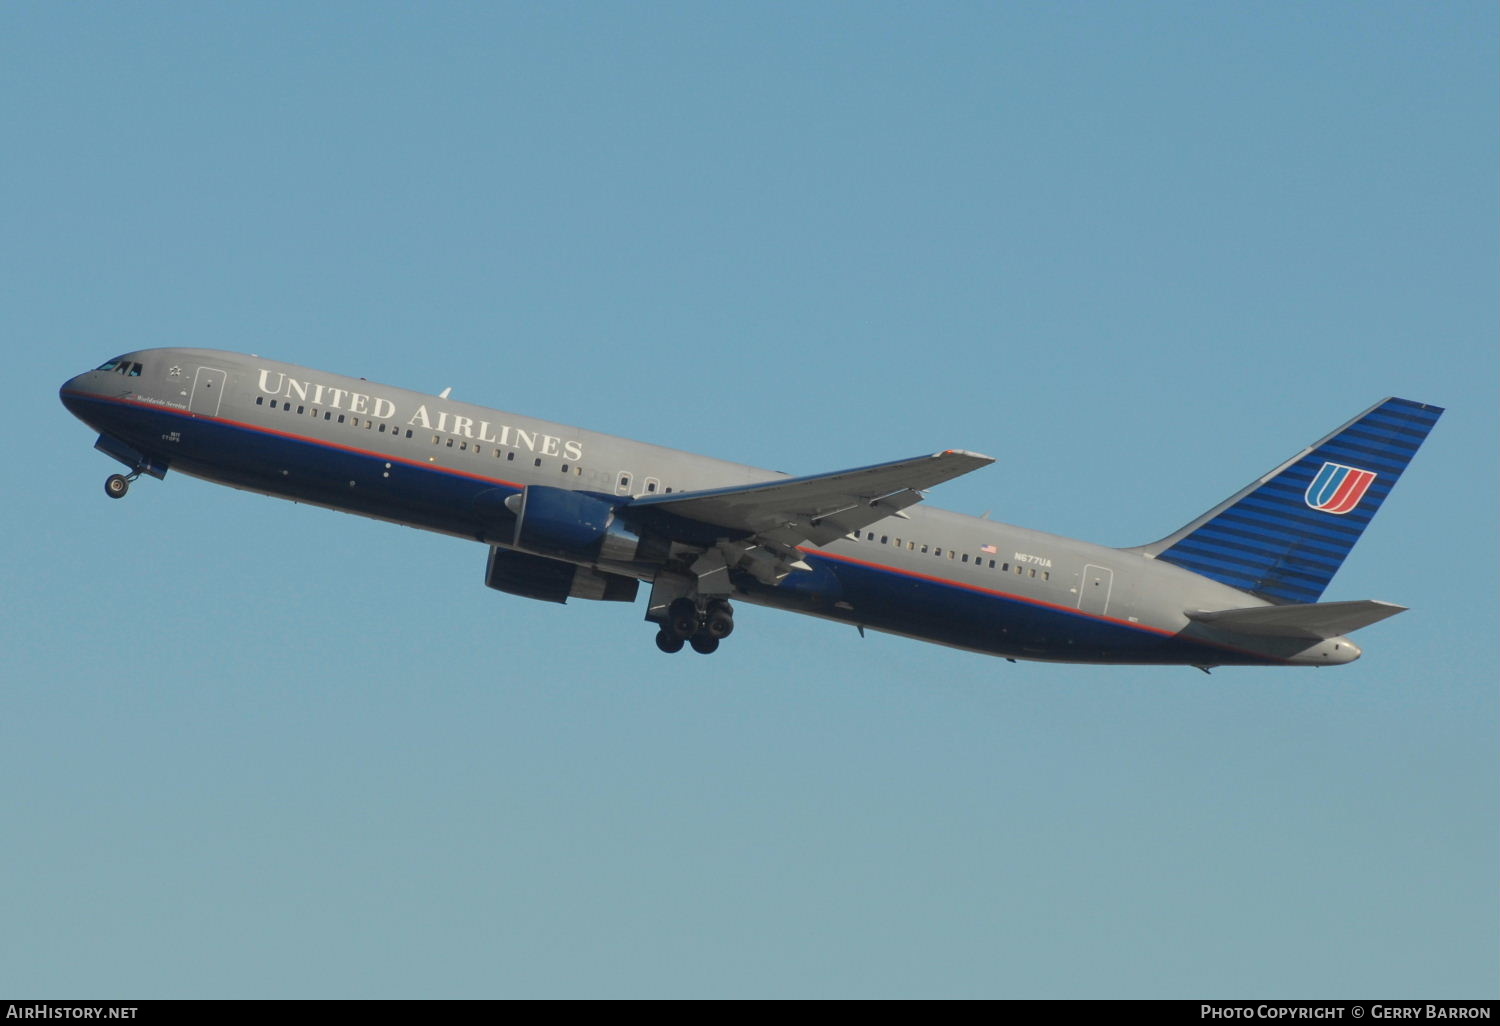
(1337, 488)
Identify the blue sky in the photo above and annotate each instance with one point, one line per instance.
(1140, 253)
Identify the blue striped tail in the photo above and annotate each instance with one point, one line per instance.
(1285, 536)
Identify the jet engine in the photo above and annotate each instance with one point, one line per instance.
(574, 526)
(551, 580)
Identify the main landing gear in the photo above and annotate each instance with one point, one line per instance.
(688, 624)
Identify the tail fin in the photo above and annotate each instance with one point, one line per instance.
(1284, 536)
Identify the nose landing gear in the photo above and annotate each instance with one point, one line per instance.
(116, 485)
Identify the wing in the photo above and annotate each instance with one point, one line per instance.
(766, 521)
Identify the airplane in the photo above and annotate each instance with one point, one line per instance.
(570, 513)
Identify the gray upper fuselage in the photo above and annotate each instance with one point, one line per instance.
(478, 443)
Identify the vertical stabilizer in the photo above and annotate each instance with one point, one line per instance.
(1283, 537)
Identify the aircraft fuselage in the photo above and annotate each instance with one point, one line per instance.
(449, 466)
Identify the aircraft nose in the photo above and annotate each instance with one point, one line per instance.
(73, 390)
(73, 384)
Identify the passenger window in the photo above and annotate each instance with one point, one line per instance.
(924, 549)
(260, 400)
(273, 406)
(408, 432)
(652, 484)
(564, 468)
(937, 552)
(966, 557)
(511, 455)
(301, 409)
(537, 462)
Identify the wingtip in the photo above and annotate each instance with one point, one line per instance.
(981, 457)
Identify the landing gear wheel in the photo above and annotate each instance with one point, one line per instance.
(116, 485)
(668, 642)
(704, 644)
(720, 619)
(682, 618)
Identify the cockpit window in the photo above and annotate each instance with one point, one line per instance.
(135, 370)
(111, 365)
(121, 365)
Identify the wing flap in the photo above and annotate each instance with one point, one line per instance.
(1305, 620)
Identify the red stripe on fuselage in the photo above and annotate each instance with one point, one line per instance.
(1042, 603)
(262, 429)
(418, 464)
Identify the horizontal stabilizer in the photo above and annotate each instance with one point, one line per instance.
(1308, 620)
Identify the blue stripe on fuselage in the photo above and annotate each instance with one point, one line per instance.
(450, 500)
(318, 470)
(971, 617)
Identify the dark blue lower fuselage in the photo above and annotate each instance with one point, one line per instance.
(402, 490)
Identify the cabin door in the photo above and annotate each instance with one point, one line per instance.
(208, 388)
(1093, 596)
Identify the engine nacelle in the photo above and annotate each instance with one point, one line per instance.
(570, 525)
(550, 580)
